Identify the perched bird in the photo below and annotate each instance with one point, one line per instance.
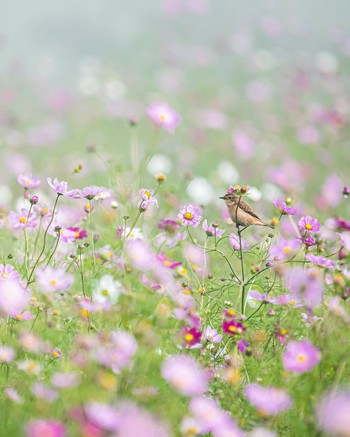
(241, 213)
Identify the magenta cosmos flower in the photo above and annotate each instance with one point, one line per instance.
(269, 401)
(50, 280)
(190, 215)
(22, 220)
(28, 181)
(309, 224)
(191, 336)
(333, 415)
(164, 116)
(232, 327)
(45, 428)
(185, 375)
(301, 356)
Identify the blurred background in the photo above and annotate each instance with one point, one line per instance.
(262, 88)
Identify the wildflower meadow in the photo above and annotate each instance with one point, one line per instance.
(175, 231)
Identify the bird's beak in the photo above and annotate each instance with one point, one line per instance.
(222, 197)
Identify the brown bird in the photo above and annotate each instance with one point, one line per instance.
(241, 213)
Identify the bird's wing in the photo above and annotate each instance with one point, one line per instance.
(248, 209)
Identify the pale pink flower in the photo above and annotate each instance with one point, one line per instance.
(164, 116)
(50, 280)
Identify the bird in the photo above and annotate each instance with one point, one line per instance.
(241, 213)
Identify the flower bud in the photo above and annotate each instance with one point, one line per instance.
(34, 200)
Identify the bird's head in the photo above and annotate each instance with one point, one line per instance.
(230, 198)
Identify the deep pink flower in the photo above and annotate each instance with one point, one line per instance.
(269, 401)
(309, 224)
(170, 226)
(167, 261)
(308, 241)
(243, 346)
(232, 327)
(333, 413)
(79, 234)
(22, 220)
(234, 241)
(50, 280)
(190, 215)
(45, 428)
(185, 375)
(301, 356)
(164, 116)
(28, 181)
(212, 230)
(191, 336)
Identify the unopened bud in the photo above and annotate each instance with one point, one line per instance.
(34, 200)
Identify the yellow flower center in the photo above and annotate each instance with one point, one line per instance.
(19, 317)
(148, 194)
(287, 249)
(167, 263)
(105, 293)
(76, 234)
(188, 216)
(23, 220)
(308, 226)
(232, 328)
(230, 312)
(55, 354)
(26, 182)
(84, 313)
(162, 117)
(283, 331)
(5, 275)
(188, 337)
(53, 282)
(55, 313)
(301, 358)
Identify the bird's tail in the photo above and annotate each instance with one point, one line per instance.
(261, 223)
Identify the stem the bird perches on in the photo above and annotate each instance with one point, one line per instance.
(241, 257)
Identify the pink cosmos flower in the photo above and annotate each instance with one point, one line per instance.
(13, 298)
(333, 413)
(88, 193)
(28, 181)
(301, 356)
(22, 220)
(190, 215)
(45, 428)
(44, 393)
(309, 224)
(102, 415)
(305, 285)
(8, 272)
(167, 261)
(284, 248)
(65, 379)
(50, 280)
(283, 208)
(7, 354)
(164, 116)
(321, 261)
(61, 188)
(212, 335)
(234, 241)
(212, 230)
(147, 198)
(13, 395)
(185, 375)
(170, 226)
(269, 401)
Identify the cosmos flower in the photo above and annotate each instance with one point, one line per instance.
(61, 188)
(283, 208)
(243, 346)
(190, 215)
(232, 327)
(212, 335)
(22, 220)
(13, 298)
(269, 401)
(107, 289)
(147, 198)
(41, 391)
(8, 272)
(333, 413)
(130, 234)
(185, 375)
(28, 181)
(212, 230)
(284, 248)
(164, 116)
(50, 279)
(191, 336)
(7, 354)
(88, 193)
(309, 224)
(305, 285)
(234, 241)
(44, 428)
(167, 261)
(170, 226)
(301, 356)
(321, 261)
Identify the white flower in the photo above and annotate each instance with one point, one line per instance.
(106, 290)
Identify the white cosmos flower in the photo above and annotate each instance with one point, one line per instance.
(106, 290)
(200, 191)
